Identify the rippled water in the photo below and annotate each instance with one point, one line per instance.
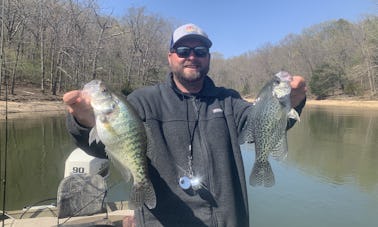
(330, 177)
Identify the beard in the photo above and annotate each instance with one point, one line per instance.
(189, 76)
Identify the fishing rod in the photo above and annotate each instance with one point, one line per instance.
(6, 107)
(4, 179)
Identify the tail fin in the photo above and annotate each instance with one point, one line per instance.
(262, 174)
(142, 193)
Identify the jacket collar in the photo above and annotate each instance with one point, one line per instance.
(208, 90)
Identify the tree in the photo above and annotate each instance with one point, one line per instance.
(42, 29)
(61, 44)
(367, 40)
(323, 80)
(146, 38)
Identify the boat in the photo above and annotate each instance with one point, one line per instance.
(81, 199)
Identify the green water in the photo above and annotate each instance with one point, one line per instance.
(330, 177)
(36, 149)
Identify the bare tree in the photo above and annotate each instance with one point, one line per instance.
(62, 43)
(147, 37)
(42, 43)
(368, 45)
(2, 44)
(16, 27)
(103, 24)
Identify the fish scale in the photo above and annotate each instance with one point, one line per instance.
(123, 133)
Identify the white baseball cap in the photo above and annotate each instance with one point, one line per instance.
(190, 31)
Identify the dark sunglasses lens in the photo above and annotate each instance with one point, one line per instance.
(200, 51)
(183, 52)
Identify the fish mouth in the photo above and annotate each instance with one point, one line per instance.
(104, 107)
(284, 76)
(92, 85)
(282, 92)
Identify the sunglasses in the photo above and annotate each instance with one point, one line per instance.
(184, 52)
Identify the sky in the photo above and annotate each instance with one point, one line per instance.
(238, 26)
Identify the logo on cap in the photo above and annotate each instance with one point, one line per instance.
(190, 28)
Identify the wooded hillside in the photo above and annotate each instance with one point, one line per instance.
(59, 45)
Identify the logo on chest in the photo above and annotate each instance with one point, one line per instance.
(217, 110)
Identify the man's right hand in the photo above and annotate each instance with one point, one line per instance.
(79, 105)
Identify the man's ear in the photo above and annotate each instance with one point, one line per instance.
(169, 58)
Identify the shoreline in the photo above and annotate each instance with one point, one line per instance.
(340, 103)
(31, 109)
(369, 104)
(27, 109)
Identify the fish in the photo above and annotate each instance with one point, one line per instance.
(266, 127)
(121, 130)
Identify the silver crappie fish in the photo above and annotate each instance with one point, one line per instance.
(266, 127)
(123, 133)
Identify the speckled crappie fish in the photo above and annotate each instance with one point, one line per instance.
(121, 130)
(266, 126)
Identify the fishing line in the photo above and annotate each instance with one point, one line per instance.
(76, 212)
(94, 199)
(83, 207)
(31, 206)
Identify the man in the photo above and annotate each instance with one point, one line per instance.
(195, 163)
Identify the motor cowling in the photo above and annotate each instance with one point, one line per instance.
(79, 162)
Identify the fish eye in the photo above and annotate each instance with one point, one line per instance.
(103, 88)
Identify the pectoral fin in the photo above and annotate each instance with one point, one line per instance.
(93, 136)
(293, 114)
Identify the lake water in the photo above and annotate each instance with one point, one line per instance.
(330, 177)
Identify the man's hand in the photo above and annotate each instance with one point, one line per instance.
(79, 105)
(298, 90)
(128, 221)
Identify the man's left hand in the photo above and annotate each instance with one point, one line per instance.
(298, 90)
